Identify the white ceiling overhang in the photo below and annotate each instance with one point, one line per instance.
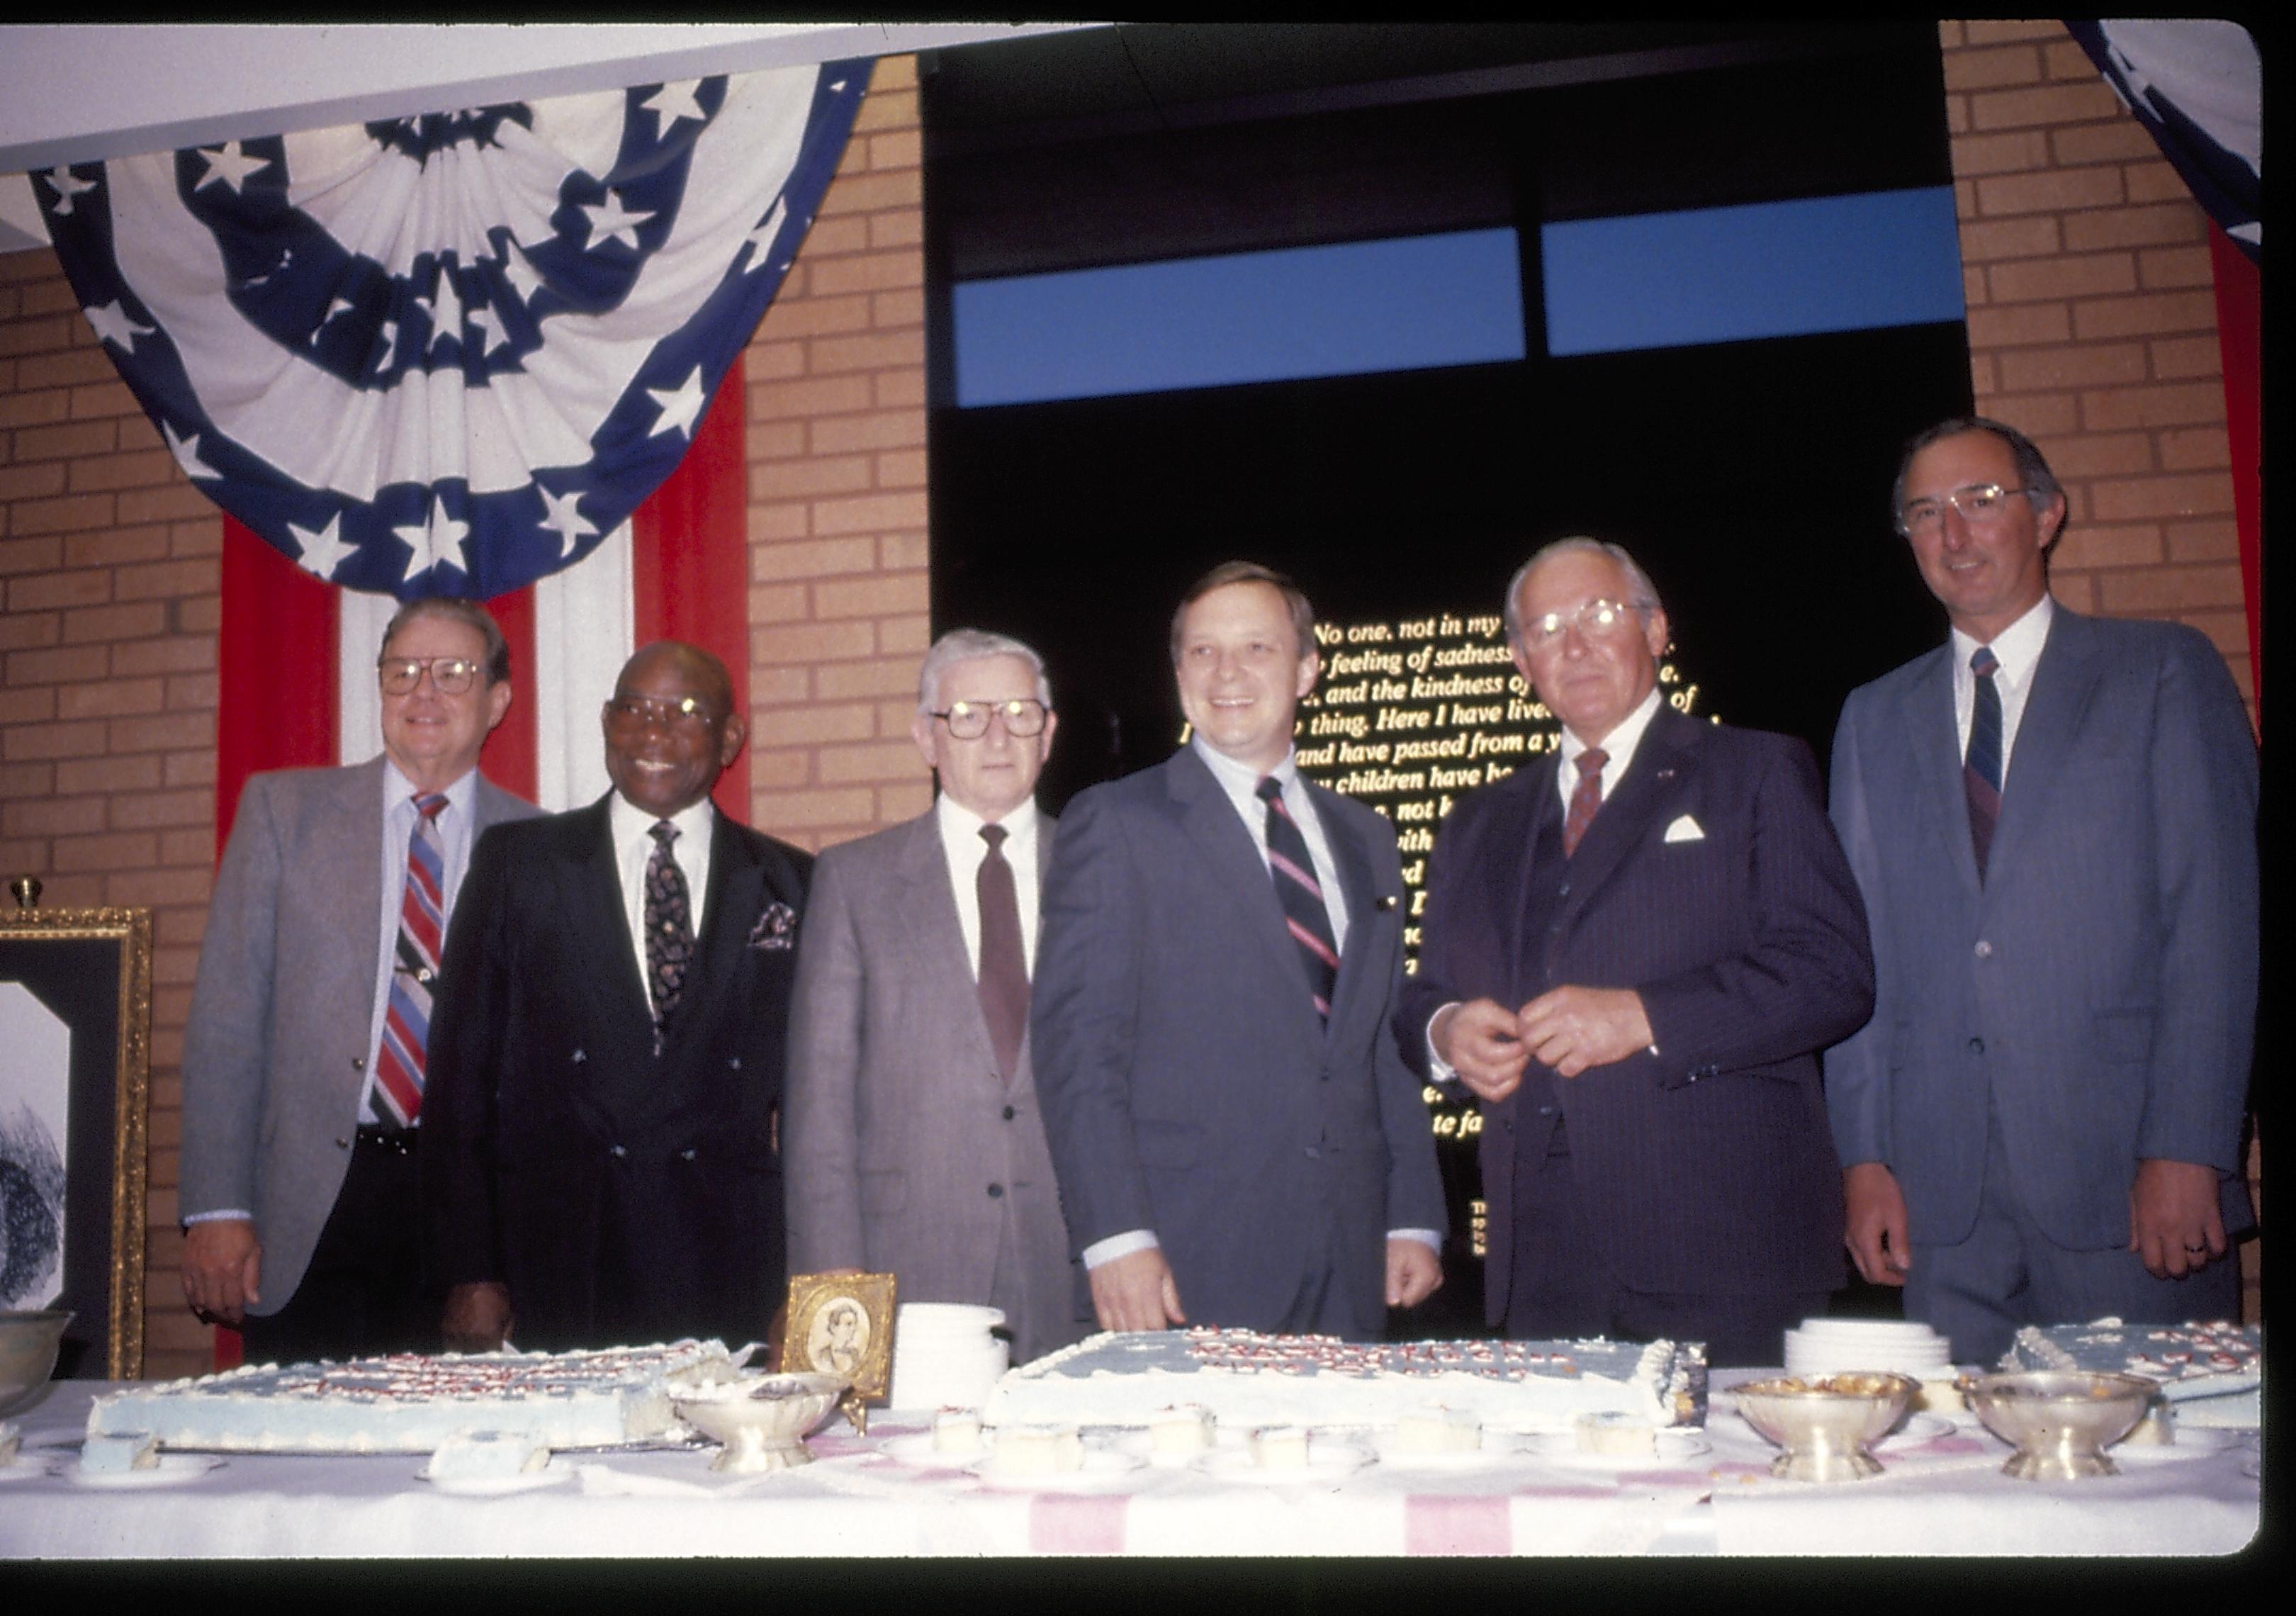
(80, 92)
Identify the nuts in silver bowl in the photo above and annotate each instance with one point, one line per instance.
(1826, 1422)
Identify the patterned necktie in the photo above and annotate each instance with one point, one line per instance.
(1302, 896)
(1980, 772)
(396, 1100)
(1585, 798)
(1003, 981)
(669, 928)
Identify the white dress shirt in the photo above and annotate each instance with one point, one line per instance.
(1241, 784)
(632, 829)
(966, 852)
(2018, 649)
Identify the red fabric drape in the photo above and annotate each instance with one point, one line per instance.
(690, 561)
(2240, 326)
(274, 670)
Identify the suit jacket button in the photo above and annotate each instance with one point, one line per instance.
(342, 1144)
(1977, 1046)
(1546, 1110)
(1313, 1154)
(686, 1155)
(1984, 949)
(1008, 1113)
(734, 1065)
(358, 1062)
(617, 1151)
(578, 1057)
(996, 1192)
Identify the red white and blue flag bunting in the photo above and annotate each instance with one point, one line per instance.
(447, 355)
(2197, 85)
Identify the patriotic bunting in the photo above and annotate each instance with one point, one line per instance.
(447, 355)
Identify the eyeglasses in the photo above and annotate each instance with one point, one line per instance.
(687, 712)
(1022, 717)
(451, 674)
(1595, 617)
(1979, 502)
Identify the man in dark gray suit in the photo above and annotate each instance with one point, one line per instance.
(914, 1145)
(2053, 819)
(303, 1060)
(1236, 1139)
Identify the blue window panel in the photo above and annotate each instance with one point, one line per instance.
(1772, 269)
(1353, 308)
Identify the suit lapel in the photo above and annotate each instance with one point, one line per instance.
(1663, 765)
(1352, 862)
(2064, 679)
(1232, 862)
(591, 896)
(1511, 895)
(1927, 723)
(935, 944)
(736, 898)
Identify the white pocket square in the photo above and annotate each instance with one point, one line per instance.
(1684, 829)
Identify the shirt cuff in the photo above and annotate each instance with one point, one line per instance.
(1426, 1237)
(192, 1217)
(1103, 1252)
(1438, 1070)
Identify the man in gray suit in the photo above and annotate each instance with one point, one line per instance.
(303, 1061)
(2052, 820)
(1237, 1139)
(913, 1144)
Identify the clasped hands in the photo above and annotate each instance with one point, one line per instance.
(1568, 1029)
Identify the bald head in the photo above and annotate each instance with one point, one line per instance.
(671, 729)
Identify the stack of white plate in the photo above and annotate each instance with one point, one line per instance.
(1840, 1346)
(944, 1355)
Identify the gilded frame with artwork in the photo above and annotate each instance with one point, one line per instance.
(842, 1325)
(75, 1094)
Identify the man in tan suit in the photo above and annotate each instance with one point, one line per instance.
(911, 1142)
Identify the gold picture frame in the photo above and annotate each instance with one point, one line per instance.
(88, 971)
(842, 1325)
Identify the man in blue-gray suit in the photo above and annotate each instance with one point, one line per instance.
(2053, 819)
(1235, 1139)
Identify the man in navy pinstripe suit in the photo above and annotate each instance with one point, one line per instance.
(1633, 951)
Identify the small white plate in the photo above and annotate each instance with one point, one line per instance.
(1104, 1471)
(500, 1486)
(173, 1470)
(916, 1448)
(1328, 1462)
(2193, 1442)
(1561, 1446)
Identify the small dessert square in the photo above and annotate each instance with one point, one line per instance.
(487, 1455)
(1280, 1447)
(1182, 1428)
(1611, 1432)
(956, 1430)
(1436, 1429)
(1037, 1450)
(116, 1455)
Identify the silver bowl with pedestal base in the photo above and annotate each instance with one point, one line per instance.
(762, 1419)
(28, 1342)
(1825, 1422)
(2060, 1421)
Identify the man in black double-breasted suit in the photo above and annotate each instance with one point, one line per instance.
(602, 1165)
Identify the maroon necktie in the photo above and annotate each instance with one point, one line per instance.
(1004, 983)
(1585, 798)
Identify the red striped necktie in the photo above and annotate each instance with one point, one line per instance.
(1302, 896)
(1585, 798)
(398, 1065)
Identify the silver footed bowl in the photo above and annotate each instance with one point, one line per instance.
(762, 1420)
(2060, 1421)
(28, 1342)
(1826, 1422)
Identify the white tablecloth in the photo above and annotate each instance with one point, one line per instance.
(1943, 1494)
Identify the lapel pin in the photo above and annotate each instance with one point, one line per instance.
(1388, 902)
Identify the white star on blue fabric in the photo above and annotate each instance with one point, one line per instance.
(68, 185)
(186, 451)
(323, 551)
(610, 221)
(487, 320)
(437, 544)
(675, 101)
(230, 165)
(112, 324)
(680, 406)
(565, 518)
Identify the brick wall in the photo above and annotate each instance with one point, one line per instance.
(2092, 325)
(838, 597)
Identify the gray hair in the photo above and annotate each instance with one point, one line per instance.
(1639, 584)
(457, 610)
(966, 644)
(2032, 467)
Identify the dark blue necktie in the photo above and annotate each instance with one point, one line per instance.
(1980, 772)
(1302, 896)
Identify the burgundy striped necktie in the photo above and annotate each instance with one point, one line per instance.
(1980, 770)
(398, 1063)
(1302, 896)
(1585, 798)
